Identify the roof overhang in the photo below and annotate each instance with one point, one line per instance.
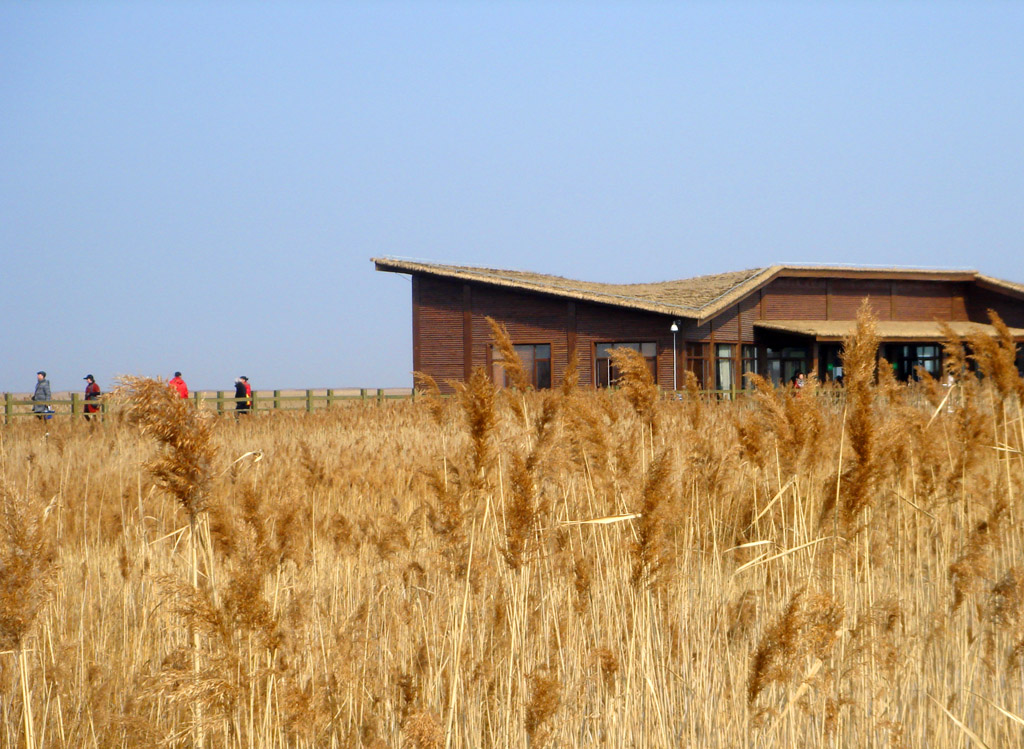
(836, 330)
(698, 299)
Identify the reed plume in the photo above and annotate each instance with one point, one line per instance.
(650, 550)
(636, 383)
(571, 377)
(511, 363)
(808, 627)
(435, 403)
(184, 465)
(973, 567)
(27, 565)
(859, 360)
(27, 569)
(545, 697)
(520, 517)
(476, 398)
(996, 357)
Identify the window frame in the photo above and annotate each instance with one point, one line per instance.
(532, 371)
(748, 365)
(699, 363)
(652, 361)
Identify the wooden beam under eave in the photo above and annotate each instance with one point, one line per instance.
(416, 365)
(467, 331)
(570, 335)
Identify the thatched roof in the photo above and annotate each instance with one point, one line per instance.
(700, 298)
(836, 330)
(685, 298)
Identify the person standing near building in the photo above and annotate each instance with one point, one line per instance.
(179, 384)
(92, 395)
(41, 396)
(241, 397)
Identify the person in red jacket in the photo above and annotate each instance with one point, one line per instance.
(92, 396)
(179, 384)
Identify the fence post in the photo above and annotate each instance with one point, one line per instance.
(362, 394)
(8, 407)
(330, 397)
(309, 401)
(197, 398)
(220, 402)
(380, 396)
(412, 395)
(277, 399)
(75, 405)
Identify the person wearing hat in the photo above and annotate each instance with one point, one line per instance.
(241, 397)
(92, 393)
(41, 396)
(179, 384)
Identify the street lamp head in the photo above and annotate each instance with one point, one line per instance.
(675, 326)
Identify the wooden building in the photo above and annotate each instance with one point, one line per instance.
(776, 321)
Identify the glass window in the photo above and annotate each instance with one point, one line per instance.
(697, 362)
(784, 364)
(605, 371)
(536, 359)
(724, 366)
(906, 358)
(748, 364)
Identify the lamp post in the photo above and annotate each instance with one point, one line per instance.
(675, 357)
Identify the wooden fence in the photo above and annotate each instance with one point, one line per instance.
(217, 401)
(306, 400)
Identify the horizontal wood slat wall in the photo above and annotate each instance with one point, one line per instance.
(727, 326)
(438, 348)
(979, 301)
(529, 318)
(920, 300)
(845, 296)
(450, 332)
(599, 324)
(794, 299)
(750, 312)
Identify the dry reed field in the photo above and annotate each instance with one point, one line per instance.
(510, 568)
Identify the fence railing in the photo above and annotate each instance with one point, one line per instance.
(296, 400)
(215, 401)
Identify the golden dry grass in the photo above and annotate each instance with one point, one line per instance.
(805, 570)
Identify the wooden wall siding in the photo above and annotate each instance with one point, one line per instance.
(438, 311)
(980, 300)
(794, 299)
(599, 324)
(921, 300)
(750, 312)
(691, 332)
(529, 318)
(845, 296)
(958, 302)
(726, 326)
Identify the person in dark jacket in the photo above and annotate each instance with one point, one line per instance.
(241, 406)
(92, 396)
(41, 396)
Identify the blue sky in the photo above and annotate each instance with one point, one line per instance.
(200, 185)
